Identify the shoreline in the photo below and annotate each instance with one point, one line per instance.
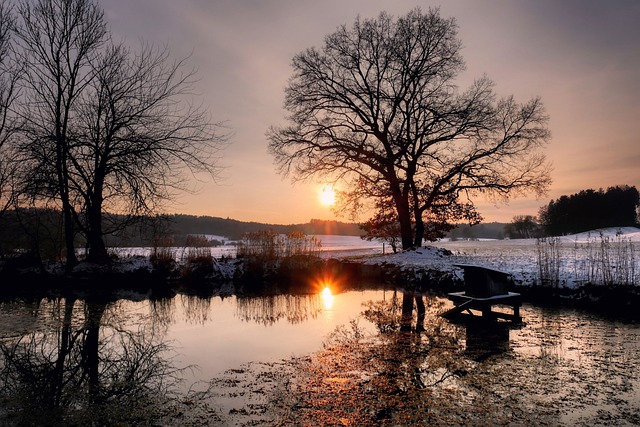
(139, 278)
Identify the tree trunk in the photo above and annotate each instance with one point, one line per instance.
(69, 235)
(407, 311)
(90, 348)
(63, 187)
(69, 228)
(421, 313)
(419, 230)
(64, 349)
(97, 248)
(401, 201)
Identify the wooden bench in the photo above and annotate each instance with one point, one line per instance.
(484, 288)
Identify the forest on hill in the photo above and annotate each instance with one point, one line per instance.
(232, 229)
(40, 230)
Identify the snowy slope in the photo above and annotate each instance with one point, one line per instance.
(581, 258)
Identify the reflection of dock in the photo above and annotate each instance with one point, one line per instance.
(484, 288)
(467, 303)
(484, 339)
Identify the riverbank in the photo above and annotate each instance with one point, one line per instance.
(429, 269)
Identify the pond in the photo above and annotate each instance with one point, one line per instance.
(321, 358)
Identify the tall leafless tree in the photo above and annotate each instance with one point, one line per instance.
(58, 43)
(9, 73)
(378, 106)
(108, 130)
(135, 138)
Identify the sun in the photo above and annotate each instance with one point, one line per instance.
(327, 196)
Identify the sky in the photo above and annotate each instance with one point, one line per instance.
(581, 57)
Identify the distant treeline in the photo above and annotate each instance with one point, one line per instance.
(590, 210)
(40, 230)
(491, 230)
(233, 229)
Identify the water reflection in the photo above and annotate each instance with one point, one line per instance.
(327, 298)
(270, 309)
(563, 368)
(71, 359)
(387, 380)
(83, 364)
(486, 339)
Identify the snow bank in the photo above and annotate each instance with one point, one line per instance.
(631, 234)
(577, 256)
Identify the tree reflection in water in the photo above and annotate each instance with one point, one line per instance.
(269, 309)
(90, 368)
(380, 379)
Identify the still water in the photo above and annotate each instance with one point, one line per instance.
(60, 357)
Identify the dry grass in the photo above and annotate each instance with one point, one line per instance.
(269, 245)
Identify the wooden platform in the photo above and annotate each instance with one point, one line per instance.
(466, 303)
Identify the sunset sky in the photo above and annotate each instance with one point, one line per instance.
(581, 57)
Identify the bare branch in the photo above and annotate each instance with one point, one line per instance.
(378, 106)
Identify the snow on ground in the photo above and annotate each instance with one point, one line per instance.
(605, 254)
(579, 258)
(331, 246)
(627, 233)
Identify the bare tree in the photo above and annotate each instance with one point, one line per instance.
(523, 227)
(135, 138)
(108, 130)
(9, 73)
(378, 107)
(59, 41)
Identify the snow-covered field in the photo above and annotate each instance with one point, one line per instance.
(612, 253)
(332, 246)
(607, 255)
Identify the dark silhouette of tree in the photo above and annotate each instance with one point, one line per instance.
(109, 131)
(9, 73)
(136, 138)
(523, 227)
(378, 107)
(590, 210)
(58, 41)
(383, 225)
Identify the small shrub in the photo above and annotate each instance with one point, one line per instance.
(197, 250)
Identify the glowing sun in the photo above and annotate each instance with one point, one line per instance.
(327, 196)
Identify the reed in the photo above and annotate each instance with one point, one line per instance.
(600, 260)
(163, 252)
(197, 250)
(605, 260)
(548, 250)
(269, 245)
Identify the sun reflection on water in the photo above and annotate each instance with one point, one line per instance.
(327, 298)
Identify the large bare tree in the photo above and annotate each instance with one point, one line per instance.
(58, 41)
(135, 138)
(9, 73)
(108, 130)
(378, 106)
